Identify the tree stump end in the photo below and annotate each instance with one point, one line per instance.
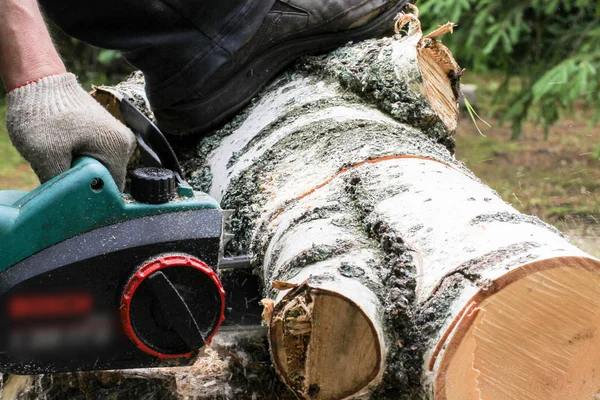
(493, 352)
(323, 344)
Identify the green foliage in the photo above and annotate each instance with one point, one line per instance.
(474, 116)
(551, 47)
(106, 57)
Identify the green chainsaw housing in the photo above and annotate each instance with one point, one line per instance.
(95, 279)
(78, 201)
(91, 278)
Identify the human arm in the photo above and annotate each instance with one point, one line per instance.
(26, 49)
(50, 118)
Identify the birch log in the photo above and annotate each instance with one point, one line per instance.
(405, 275)
(290, 167)
(389, 270)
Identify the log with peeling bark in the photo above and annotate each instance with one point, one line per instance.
(389, 270)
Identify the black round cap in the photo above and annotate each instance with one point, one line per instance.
(160, 323)
(153, 185)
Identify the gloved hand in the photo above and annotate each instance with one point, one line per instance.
(53, 120)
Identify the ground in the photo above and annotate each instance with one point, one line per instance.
(557, 179)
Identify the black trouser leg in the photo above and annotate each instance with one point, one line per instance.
(175, 43)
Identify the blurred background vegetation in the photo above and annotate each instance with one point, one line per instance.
(548, 52)
(93, 66)
(536, 65)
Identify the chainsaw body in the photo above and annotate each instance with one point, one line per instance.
(94, 279)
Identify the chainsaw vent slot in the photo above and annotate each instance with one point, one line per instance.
(97, 185)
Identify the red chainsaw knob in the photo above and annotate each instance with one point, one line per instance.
(172, 306)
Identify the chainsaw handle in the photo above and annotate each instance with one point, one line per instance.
(154, 147)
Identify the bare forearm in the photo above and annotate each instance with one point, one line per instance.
(26, 49)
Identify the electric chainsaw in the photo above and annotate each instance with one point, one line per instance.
(94, 279)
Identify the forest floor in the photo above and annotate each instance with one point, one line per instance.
(556, 178)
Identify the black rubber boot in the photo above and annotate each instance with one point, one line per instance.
(292, 28)
(205, 59)
(178, 44)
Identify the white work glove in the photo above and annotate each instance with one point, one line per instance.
(53, 120)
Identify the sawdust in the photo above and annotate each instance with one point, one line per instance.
(294, 318)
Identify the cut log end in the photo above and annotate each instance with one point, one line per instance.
(323, 344)
(536, 337)
(109, 101)
(439, 72)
